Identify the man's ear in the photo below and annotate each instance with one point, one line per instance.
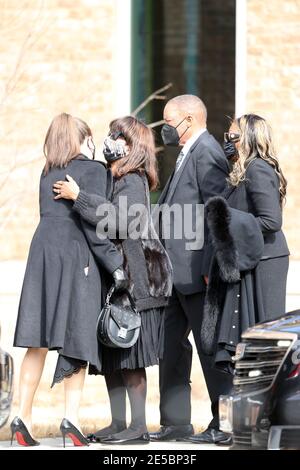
(189, 120)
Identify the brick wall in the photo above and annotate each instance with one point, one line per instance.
(53, 58)
(273, 90)
(60, 58)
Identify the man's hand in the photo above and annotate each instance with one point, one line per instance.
(66, 189)
(205, 279)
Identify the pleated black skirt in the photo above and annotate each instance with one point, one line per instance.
(146, 352)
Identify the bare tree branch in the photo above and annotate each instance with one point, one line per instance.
(37, 27)
(12, 204)
(156, 95)
(31, 38)
(156, 124)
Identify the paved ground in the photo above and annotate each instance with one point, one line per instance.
(94, 414)
(56, 444)
(48, 406)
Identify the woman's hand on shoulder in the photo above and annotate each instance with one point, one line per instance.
(66, 189)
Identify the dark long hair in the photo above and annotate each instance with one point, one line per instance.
(141, 157)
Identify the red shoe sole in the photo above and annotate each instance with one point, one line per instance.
(21, 439)
(75, 440)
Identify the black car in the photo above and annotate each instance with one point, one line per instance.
(263, 411)
(6, 385)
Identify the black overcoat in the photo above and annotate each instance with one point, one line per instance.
(245, 229)
(60, 299)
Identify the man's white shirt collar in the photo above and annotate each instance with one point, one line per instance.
(187, 146)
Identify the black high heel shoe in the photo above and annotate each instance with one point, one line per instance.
(68, 429)
(23, 436)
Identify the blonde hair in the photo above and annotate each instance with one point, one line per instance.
(63, 140)
(256, 141)
(141, 157)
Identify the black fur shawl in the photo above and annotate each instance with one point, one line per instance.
(224, 268)
(158, 266)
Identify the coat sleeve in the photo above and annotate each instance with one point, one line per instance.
(212, 171)
(86, 206)
(263, 190)
(104, 250)
(126, 213)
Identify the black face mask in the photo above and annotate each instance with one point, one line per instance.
(169, 134)
(113, 149)
(229, 150)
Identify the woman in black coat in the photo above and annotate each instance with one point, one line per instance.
(61, 295)
(252, 256)
(130, 152)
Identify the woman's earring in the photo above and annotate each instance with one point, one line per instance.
(91, 147)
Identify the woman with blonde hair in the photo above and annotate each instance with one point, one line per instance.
(247, 283)
(258, 186)
(61, 295)
(130, 152)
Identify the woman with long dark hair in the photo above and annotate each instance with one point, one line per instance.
(61, 295)
(247, 283)
(130, 152)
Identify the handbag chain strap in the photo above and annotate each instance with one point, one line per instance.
(126, 291)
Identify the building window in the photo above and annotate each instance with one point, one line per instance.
(190, 43)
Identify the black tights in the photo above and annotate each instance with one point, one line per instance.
(135, 383)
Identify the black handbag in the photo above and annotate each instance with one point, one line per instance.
(118, 326)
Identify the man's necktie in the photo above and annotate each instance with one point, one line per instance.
(179, 160)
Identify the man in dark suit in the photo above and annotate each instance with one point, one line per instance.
(200, 172)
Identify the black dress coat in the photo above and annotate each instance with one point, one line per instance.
(60, 301)
(259, 195)
(249, 269)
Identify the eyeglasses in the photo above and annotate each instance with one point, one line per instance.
(231, 137)
(116, 135)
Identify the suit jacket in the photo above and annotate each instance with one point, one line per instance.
(259, 195)
(202, 174)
